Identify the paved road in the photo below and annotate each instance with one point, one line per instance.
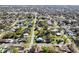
(3, 33)
(14, 24)
(32, 37)
(11, 44)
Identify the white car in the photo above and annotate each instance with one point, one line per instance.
(10, 40)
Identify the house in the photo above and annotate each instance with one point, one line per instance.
(2, 30)
(25, 35)
(71, 33)
(6, 40)
(58, 34)
(23, 40)
(59, 45)
(13, 30)
(10, 40)
(49, 22)
(54, 31)
(73, 21)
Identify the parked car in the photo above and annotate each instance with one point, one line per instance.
(47, 40)
(39, 40)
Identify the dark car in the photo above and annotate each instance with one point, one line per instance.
(47, 40)
(39, 40)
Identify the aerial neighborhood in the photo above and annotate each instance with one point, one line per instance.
(39, 29)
